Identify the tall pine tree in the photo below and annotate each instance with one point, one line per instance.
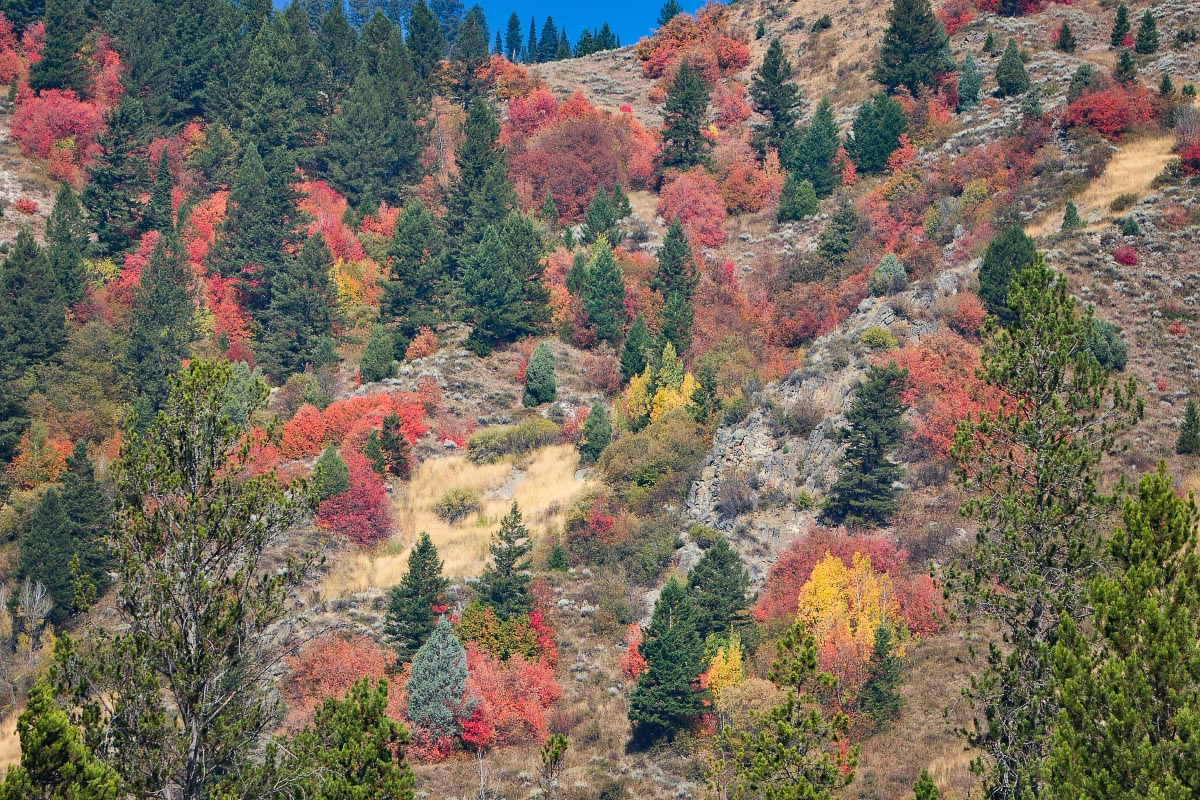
(66, 243)
(163, 322)
(683, 143)
(1008, 254)
(414, 292)
(504, 584)
(776, 97)
(417, 600)
(300, 313)
(603, 295)
(717, 585)
(915, 48)
(32, 319)
(118, 177)
(60, 66)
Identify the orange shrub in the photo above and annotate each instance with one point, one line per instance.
(327, 667)
(694, 198)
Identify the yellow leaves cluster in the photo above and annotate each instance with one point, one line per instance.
(847, 604)
(726, 668)
(656, 392)
(356, 286)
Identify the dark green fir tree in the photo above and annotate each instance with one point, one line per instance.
(879, 699)
(540, 384)
(925, 788)
(636, 350)
(1120, 27)
(603, 294)
(418, 281)
(66, 243)
(797, 200)
(1064, 40)
(1188, 443)
(32, 319)
(876, 133)
(1071, 219)
(1011, 77)
(300, 314)
(504, 585)
(816, 151)
(1008, 254)
(684, 145)
(777, 98)
(1146, 41)
(159, 215)
(378, 359)
(331, 476)
(163, 322)
(118, 177)
(717, 584)
(915, 48)
(597, 434)
(417, 600)
(60, 65)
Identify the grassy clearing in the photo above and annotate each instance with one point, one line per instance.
(10, 744)
(542, 484)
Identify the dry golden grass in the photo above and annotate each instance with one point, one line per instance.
(542, 485)
(10, 745)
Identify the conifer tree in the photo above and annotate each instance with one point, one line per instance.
(416, 600)
(378, 359)
(413, 294)
(665, 700)
(163, 322)
(600, 218)
(469, 53)
(1011, 77)
(915, 48)
(684, 145)
(540, 384)
(876, 133)
(531, 45)
(717, 584)
(776, 97)
(32, 322)
(1129, 693)
(60, 66)
(879, 698)
(481, 195)
(118, 177)
(300, 314)
(1126, 71)
(549, 211)
(669, 11)
(1120, 27)
(45, 551)
(676, 269)
(66, 242)
(816, 150)
(14, 418)
(989, 43)
(1071, 219)
(925, 788)
(603, 294)
(502, 284)
(336, 43)
(437, 684)
(331, 476)
(676, 320)
(1064, 41)
(635, 351)
(597, 434)
(512, 38)
(1146, 41)
(426, 43)
(159, 215)
(1188, 443)
(279, 106)
(970, 81)
(547, 42)
(1030, 473)
(838, 236)
(1006, 255)
(797, 200)
(504, 585)
(394, 449)
(864, 493)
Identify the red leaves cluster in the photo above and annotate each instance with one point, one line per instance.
(1125, 255)
(708, 41)
(1189, 156)
(954, 14)
(967, 316)
(745, 185)
(456, 430)
(350, 421)
(327, 210)
(694, 198)
(1113, 111)
(26, 206)
(361, 512)
(327, 667)
(512, 698)
(633, 663)
(57, 119)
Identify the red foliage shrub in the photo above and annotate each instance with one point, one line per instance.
(968, 315)
(1125, 255)
(455, 429)
(1178, 329)
(1189, 156)
(512, 698)
(633, 663)
(1112, 112)
(707, 41)
(327, 667)
(361, 512)
(349, 421)
(429, 394)
(573, 425)
(954, 14)
(231, 323)
(26, 206)
(304, 434)
(327, 210)
(56, 115)
(729, 104)
(694, 198)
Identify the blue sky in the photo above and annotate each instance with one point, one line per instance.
(629, 19)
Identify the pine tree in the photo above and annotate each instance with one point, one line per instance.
(117, 178)
(1120, 27)
(502, 285)
(970, 81)
(412, 295)
(46, 548)
(549, 211)
(876, 133)
(394, 448)
(684, 146)
(1011, 77)
(481, 195)
(14, 418)
(159, 215)
(416, 600)
(437, 684)
(676, 279)
(669, 11)
(331, 476)
(1071, 219)
(512, 38)
(838, 236)
(504, 584)
(597, 434)
(665, 700)
(547, 47)
(879, 697)
(676, 319)
(426, 43)
(66, 242)
(776, 97)
(925, 788)
(1008, 254)
(717, 584)
(1065, 40)
(32, 321)
(915, 48)
(531, 46)
(299, 316)
(1029, 472)
(378, 359)
(564, 47)
(55, 761)
(600, 219)
(279, 104)
(163, 322)
(1129, 694)
(336, 43)
(1146, 41)
(989, 43)
(635, 351)
(1126, 71)
(470, 52)
(603, 294)
(60, 66)
(816, 150)
(1188, 443)
(797, 200)
(540, 385)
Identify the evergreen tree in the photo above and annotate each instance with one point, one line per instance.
(60, 66)
(635, 351)
(676, 269)
(1120, 27)
(163, 322)
(416, 600)
(879, 698)
(603, 295)
(32, 322)
(597, 434)
(417, 284)
(989, 43)
(1011, 77)
(531, 46)
(669, 11)
(1071, 219)
(426, 43)
(449, 16)
(970, 81)
(66, 242)
(504, 584)
(838, 236)
(683, 144)
(1129, 694)
(279, 104)
(717, 584)
(564, 47)
(665, 700)
(1006, 255)
(481, 194)
(1146, 41)
(776, 97)
(600, 219)
(813, 159)
(378, 359)
(864, 493)
(512, 38)
(394, 449)
(547, 41)
(90, 513)
(502, 285)
(117, 178)
(299, 315)
(160, 215)
(676, 321)
(540, 385)
(1065, 40)
(331, 477)
(470, 52)
(925, 788)
(1188, 443)
(915, 48)
(55, 761)
(14, 418)
(1030, 473)
(46, 548)
(549, 212)
(437, 684)
(797, 200)
(336, 44)
(876, 133)
(1126, 71)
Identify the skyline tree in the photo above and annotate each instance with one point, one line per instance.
(684, 145)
